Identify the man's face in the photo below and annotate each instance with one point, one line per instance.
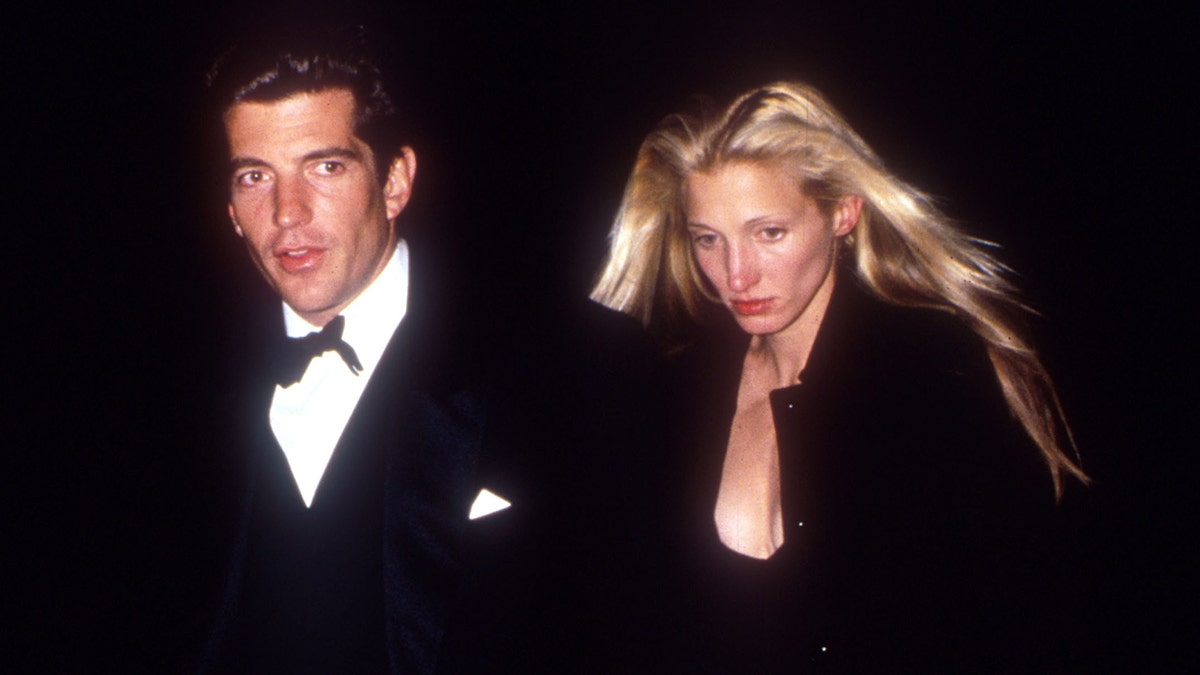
(305, 198)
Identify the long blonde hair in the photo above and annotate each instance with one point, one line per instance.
(903, 249)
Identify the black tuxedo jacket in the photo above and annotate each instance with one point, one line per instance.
(386, 573)
(364, 579)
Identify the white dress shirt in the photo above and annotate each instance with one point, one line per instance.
(309, 416)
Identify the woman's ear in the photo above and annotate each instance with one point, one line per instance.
(846, 215)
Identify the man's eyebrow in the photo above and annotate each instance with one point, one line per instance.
(336, 152)
(238, 163)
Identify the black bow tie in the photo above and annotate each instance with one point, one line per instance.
(298, 352)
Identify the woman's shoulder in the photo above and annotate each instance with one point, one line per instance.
(925, 376)
(862, 331)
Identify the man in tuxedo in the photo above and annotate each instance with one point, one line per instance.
(360, 456)
(373, 533)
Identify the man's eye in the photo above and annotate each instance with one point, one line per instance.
(330, 168)
(250, 178)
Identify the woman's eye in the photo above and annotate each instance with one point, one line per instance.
(704, 240)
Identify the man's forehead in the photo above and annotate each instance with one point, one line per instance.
(331, 103)
(321, 118)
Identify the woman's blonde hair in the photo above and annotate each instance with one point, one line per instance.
(903, 249)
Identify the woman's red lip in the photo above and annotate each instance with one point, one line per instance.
(750, 307)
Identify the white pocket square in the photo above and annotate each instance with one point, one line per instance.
(487, 503)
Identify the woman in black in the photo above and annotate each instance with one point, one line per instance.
(870, 450)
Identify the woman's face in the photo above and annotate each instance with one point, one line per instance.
(763, 243)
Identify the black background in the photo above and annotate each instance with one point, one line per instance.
(1059, 132)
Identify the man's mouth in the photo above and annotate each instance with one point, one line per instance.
(299, 259)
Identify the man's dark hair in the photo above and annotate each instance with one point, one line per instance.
(293, 61)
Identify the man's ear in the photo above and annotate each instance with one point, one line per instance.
(233, 219)
(398, 187)
(846, 215)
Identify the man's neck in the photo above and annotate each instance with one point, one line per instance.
(394, 268)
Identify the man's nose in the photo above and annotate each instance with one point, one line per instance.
(292, 205)
(742, 269)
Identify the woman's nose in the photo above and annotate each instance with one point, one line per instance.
(742, 270)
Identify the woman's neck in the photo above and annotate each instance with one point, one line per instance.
(786, 352)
